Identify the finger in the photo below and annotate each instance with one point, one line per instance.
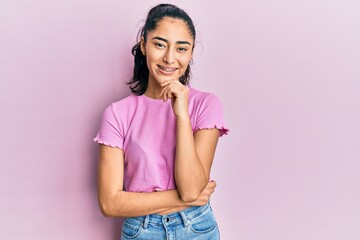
(178, 90)
(166, 89)
(166, 93)
(171, 91)
(212, 184)
(163, 93)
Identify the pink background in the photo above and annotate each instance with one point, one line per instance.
(288, 73)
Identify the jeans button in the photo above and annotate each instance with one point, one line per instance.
(167, 219)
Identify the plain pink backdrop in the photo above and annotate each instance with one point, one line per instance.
(288, 73)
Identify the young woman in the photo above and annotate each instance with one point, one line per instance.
(157, 145)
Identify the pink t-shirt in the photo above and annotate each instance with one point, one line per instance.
(145, 129)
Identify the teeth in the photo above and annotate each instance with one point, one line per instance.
(167, 69)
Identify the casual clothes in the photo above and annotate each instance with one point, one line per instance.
(194, 223)
(145, 129)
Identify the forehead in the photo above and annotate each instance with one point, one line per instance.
(172, 29)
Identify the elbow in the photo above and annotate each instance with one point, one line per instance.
(106, 208)
(112, 205)
(189, 196)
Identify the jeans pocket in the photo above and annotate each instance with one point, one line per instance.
(204, 223)
(131, 228)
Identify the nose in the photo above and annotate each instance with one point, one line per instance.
(169, 57)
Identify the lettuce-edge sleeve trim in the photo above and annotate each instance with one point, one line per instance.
(97, 140)
(222, 129)
(110, 132)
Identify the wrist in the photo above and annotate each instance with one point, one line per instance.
(183, 118)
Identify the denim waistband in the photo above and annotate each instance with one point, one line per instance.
(180, 217)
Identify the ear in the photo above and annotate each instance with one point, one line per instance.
(142, 46)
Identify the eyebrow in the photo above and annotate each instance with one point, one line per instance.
(178, 42)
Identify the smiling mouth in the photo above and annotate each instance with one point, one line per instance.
(167, 69)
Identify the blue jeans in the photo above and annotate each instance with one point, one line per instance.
(192, 223)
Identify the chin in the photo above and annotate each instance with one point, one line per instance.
(162, 79)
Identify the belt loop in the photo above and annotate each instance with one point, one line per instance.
(146, 221)
(184, 218)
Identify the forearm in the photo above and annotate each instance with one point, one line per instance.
(190, 174)
(132, 204)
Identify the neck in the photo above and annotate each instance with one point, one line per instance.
(153, 90)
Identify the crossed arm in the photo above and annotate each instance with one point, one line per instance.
(194, 156)
(193, 160)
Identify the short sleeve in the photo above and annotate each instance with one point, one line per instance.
(110, 133)
(211, 115)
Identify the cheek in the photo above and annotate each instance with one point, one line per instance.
(153, 54)
(185, 61)
(151, 61)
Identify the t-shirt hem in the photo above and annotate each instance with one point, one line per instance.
(223, 130)
(97, 140)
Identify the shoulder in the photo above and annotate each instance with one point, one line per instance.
(125, 104)
(200, 97)
(122, 107)
(131, 99)
(206, 111)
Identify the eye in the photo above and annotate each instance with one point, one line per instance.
(159, 45)
(181, 49)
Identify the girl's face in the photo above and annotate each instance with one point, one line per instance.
(168, 50)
